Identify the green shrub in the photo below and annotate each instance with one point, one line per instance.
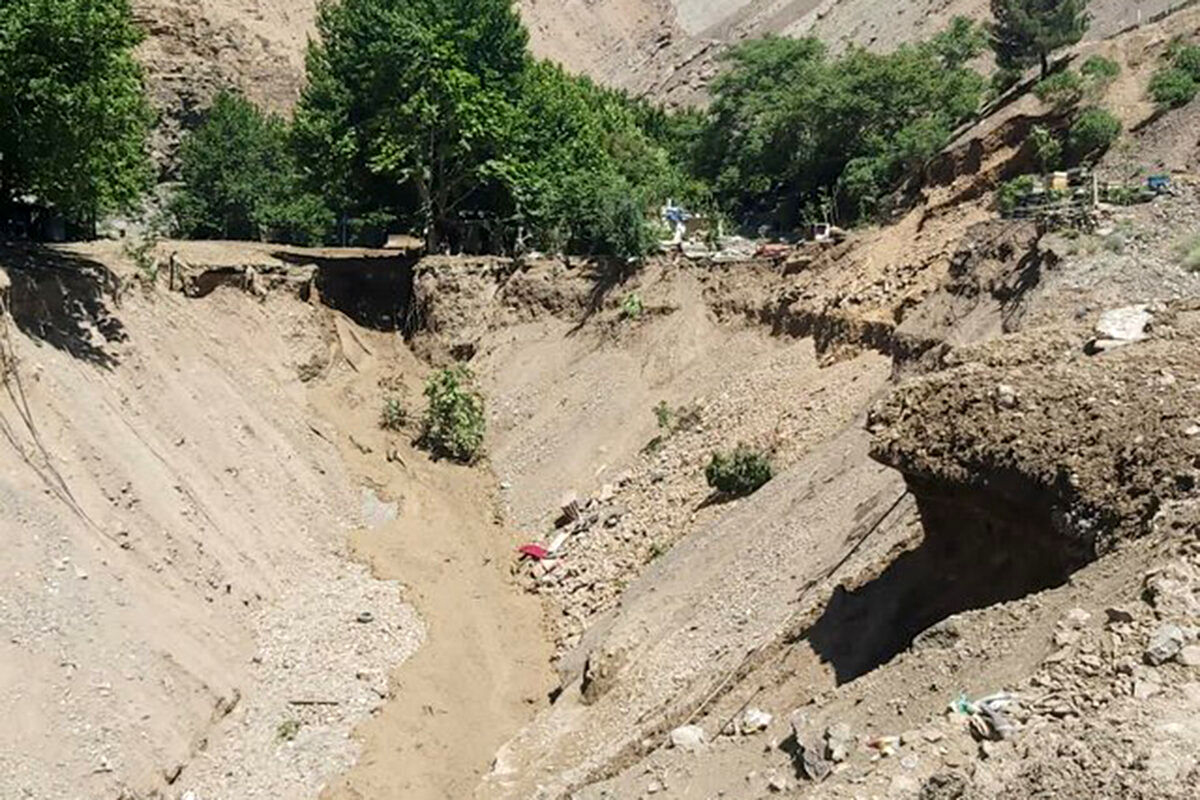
(662, 413)
(454, 423)
(1061, 90)
(1047, 148)
(287, 730)
(1009, 195)
(1123, 195)
(1005, 79)
(1185, 57)
(1100, 69)
(1093, 133)
(1172, 87)
(394, 414)
(740, 473)
(631, 306)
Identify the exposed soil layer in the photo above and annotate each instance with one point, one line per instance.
(979, 549)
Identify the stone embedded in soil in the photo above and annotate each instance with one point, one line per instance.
(1006, 396)
(689, 738)
(1118, 616)
(838, 742)
(1189, 656)
(809, 756)
(754, 720)
(1124, 325)
(1076, 618)
(1164, 644)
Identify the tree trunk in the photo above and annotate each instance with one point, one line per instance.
(1045, 65)
(426, 199)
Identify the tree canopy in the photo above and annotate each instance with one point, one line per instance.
(415, 91)
(436, 111)
(240, 180)
(1026, 32)
(793, 128)
(73, 114)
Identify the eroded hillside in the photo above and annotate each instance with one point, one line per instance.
(973, 574)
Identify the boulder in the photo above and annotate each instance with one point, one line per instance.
(689, 738)
(1121, 326)
(809, 757)
(754, 720)
(1164, 644)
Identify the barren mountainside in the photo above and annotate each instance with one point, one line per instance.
(665, 49)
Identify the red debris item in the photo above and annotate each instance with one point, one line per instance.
(535, 551)
(773, 250)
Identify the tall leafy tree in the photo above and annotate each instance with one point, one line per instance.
(582, 165)
(791, 126)
(240, 180)
(1026, 32)
(418, 92)
(73, 113)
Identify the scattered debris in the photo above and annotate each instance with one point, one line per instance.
(986, 719)
(885, 746)
(534, 551)
(570, 510)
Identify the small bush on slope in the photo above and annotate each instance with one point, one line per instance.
(454, 423)
(394, 414)
(1060, 90)
(1093, 133)
(1178, 80)
(740, 473)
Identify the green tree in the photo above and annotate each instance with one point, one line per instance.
(1047, 148)
(961, 42)
(1177, 81)
(73, 113)
(1026, 32)
(1093, 133)
(791, 126)
(417, 92)
(240, 181)
(580, 167)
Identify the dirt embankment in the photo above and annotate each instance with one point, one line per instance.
(183, 609)
(181, 473)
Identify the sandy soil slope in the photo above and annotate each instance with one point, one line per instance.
(179, 581)
(187, 614)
